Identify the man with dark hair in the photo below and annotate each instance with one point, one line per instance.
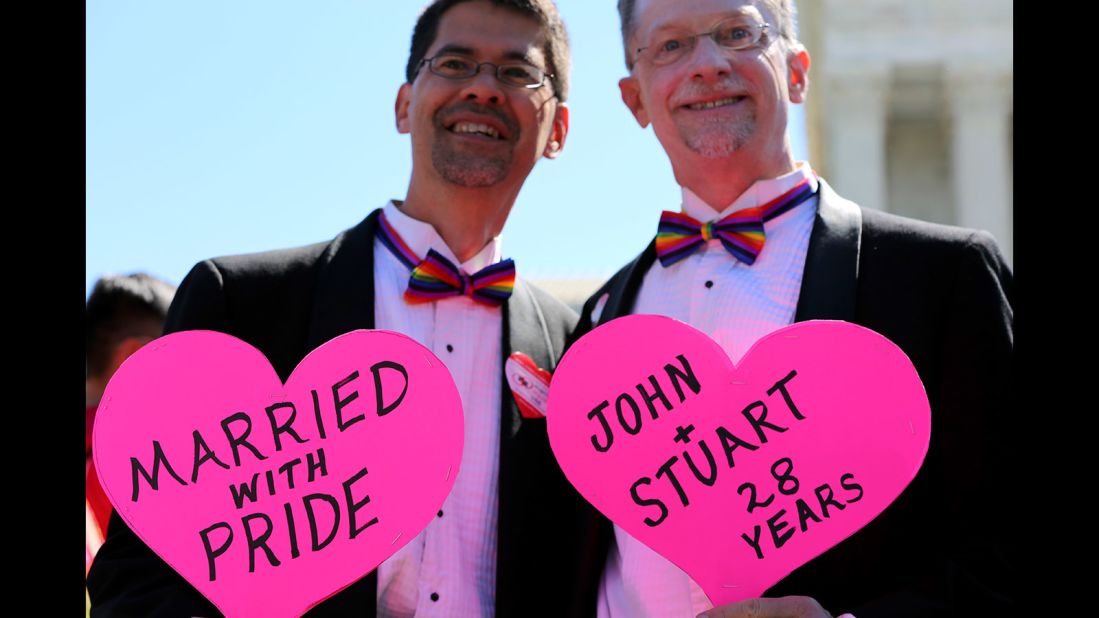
(123, 313)
(484, 100)
(762, 242)
(555, 46)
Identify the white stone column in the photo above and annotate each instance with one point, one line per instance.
(856, 103)
(979, 103)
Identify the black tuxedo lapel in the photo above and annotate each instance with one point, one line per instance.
(523, 331)
(528, 478)
(344, 298)
(830, 277)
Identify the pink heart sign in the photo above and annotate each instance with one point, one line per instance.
(269, 498)
(738, 474)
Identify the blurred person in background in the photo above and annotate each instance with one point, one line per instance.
(123, 313)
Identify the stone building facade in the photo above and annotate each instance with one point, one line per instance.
(910, 106)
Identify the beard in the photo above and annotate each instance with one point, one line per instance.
(467, 169)
(719, 135)
(719, 139)
(472, 165)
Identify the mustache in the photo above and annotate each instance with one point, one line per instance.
(728, 87)
(473, 107)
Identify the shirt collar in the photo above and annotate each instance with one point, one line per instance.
(761, 192)
(421, 236)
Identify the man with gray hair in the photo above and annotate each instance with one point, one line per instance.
(760, 241)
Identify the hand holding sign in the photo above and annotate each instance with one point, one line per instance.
(269, 498)
(738, 475)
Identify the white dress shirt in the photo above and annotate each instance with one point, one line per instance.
(735, 304)
(449, 569)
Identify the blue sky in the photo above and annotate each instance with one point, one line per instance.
(217, 128)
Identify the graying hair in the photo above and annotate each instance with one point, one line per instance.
(785, 12)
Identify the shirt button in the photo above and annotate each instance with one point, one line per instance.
(434, 596)
(709, 284)
(440, 513)
(449, 348)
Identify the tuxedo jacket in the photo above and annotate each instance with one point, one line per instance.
(288, 302)
(944, 295)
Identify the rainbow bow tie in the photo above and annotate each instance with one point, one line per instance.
(679, 235)
(436, 277)
(741, 233)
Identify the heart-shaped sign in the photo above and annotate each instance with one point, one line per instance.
(269, 498)
(738, 474)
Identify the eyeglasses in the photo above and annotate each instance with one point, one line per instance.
(733, 34)
(518, 74)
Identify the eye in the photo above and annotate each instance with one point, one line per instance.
(454, 65)
(669, 46)
(520, 73)
(736, 34)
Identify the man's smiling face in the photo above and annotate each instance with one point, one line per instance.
(712, 102)
(478, 131)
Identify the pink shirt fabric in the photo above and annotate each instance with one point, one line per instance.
(449, 569)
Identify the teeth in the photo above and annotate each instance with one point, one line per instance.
(472, 127)
(713, 104)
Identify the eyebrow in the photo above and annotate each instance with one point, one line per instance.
(747, 11)
(469, 51)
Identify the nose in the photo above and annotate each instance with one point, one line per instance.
(708, 61)
(483, 86)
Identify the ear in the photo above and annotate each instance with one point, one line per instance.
(559, 132)
(123, 350)
(631, 96)
(404, 99)
(798, 63)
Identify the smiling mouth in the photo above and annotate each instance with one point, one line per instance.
(713, 104)
(474, 128)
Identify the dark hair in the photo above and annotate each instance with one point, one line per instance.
(785, 13)
(544, 12)
(120, 307)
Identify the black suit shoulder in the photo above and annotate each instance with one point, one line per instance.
(558, 314)
(248, 281)
(916, 278)
(966, 253)
(277, 267)
(264, 299)
(560, 319)
(905, 236)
